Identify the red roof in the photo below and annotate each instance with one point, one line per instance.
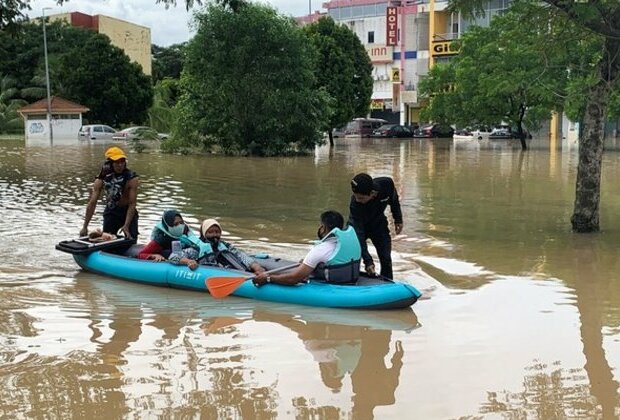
(57, 105)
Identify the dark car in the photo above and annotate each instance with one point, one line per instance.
(392, 130)
(434, 131)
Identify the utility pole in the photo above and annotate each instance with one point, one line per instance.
(47, 81)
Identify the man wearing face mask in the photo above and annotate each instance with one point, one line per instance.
(169, 229)
(209, 249)
(335, 258)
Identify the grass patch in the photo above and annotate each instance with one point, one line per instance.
(12, 137)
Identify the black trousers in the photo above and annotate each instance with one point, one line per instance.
(114, 219)
(383, 243)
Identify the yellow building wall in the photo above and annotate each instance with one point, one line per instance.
(61, 16)
(134, 39)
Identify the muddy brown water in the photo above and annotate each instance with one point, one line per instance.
(521, 317)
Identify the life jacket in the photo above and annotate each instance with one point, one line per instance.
(343, 266)
(162, 236)
(221, 256)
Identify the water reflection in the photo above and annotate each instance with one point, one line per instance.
(177, 353)
(519, 306)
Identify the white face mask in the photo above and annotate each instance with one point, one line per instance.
(177, 230)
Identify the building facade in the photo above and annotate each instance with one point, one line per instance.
(404, 39)
(134, 40)
(65, 122)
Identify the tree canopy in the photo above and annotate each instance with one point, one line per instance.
(343, 69)
(594, 19)
(515, 74)
(100, 76)
(248, 84)
(84, 67)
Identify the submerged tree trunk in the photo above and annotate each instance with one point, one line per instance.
(585, 216)
(588, 186)
(331, 137)
(520, 131)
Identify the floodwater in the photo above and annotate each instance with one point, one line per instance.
(521, 317)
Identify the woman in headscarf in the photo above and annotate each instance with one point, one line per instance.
(209, 249)
(169, 229)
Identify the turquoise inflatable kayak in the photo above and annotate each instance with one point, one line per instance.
(366, 293)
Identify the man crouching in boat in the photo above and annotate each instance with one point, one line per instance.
(335, 258)
(209, 249)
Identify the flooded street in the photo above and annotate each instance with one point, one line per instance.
(521, 317)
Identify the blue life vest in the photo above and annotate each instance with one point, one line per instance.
(221, 255)
(343, 266)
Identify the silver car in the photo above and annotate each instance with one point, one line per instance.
(96, 132)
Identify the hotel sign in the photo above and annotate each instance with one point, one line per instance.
(391, 26)
(380, 53)
(445, 48)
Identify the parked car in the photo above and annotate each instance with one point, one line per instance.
(139, 132)
(434, 130)
(96, 132)
(364, 126)
(502, 133)
(338, 132)
(480, 133)
(392, 130)
(506, 132)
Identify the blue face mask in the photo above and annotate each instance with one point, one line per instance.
(176, 231)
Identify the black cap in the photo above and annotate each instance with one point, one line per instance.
(363, 184)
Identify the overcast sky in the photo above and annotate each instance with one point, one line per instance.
(169, 26)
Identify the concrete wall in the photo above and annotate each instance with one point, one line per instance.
(63, 127)
(134, 39)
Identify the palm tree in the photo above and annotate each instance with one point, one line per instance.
(10, 102)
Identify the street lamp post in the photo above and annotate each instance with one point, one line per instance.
(47, 80)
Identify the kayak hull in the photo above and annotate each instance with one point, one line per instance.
(363, 295)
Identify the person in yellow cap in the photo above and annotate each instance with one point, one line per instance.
(120, 188)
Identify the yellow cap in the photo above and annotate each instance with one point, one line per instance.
(115, 153)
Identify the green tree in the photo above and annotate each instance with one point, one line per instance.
(105, 80)
(598, 18)
(10, 102)
(13, 12)
(167, 61)
(516, 74)
(161, 113)
(343, 70)
(248, 86)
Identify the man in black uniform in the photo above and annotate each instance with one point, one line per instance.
(120, 186)
(367, 215)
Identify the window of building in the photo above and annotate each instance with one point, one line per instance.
(369, 10)
(358, 11)
(371, 37)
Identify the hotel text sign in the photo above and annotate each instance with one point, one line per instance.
(380, 53)
(391, 26)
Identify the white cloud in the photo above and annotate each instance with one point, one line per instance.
(168, 26)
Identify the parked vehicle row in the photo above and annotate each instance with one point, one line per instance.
(434, 131)
(105, 132)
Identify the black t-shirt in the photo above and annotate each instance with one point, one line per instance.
(114, 184)
(370, 217)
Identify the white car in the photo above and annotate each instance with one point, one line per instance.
(467, 134)
(139, 132)
(96, 132)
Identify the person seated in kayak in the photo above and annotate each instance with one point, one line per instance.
(170, 228)
(335, 258)
(209, 249)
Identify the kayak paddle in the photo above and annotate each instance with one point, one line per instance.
(220, 287)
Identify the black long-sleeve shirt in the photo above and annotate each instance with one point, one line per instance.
(369, 218)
